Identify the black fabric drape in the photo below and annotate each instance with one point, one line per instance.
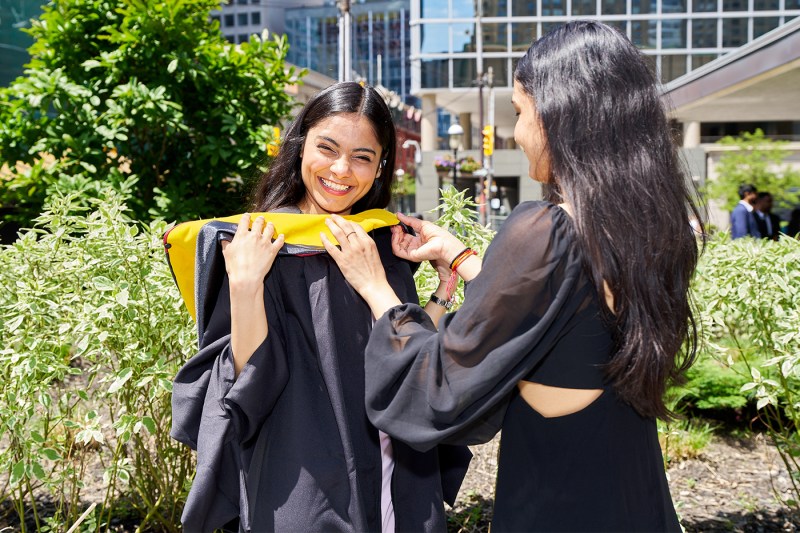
(287, 446)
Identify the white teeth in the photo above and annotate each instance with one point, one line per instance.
(334, 186)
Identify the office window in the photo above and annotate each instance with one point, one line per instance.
(433, 9)
(704, 33)
(495, 8)
(499, 70)
(704, 6)
(791, 4)
(734, 32)
(495, 37)
(643, 6)
(464, 9)
(242, 38)
(434, 39)
(523, 8)
(255, 18)
(433, 73)
(643, 33)
(613, 7)
(584, 7)
(555, 7)
(255, 2)
(547, 26)
(766, 5)
(673, 33)
(522, 35)
(673, 6)
(465, 72)
(241, 2)
(216, 18)
(463, 37)
(229, 21)
(241, 19)
(734, 5)
(762, 25)
(619, 25)
(672, 67)
(698, 60)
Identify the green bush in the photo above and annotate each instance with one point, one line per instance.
(748, 302)
(93, 332)
(119, 88)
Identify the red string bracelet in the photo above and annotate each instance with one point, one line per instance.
(454, 264)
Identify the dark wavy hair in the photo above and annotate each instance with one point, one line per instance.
(282, 185)
(614, 160)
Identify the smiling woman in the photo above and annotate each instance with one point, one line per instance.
(341, 161)
(274, 400)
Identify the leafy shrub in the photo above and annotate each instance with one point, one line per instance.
(148, 89)
(93, 333)
(748, 301)
(457, 214)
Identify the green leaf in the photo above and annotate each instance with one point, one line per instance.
(122, 378)
(51, 454)
(150, 424)
(102, 283)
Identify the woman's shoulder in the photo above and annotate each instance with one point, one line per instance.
(537, 217)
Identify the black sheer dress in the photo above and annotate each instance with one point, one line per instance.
(531, 314)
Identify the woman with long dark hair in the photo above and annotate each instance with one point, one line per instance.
(274, 400)
(577, 318)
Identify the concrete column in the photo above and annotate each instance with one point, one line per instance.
(465, 120)
(691, 134)
(429, 123)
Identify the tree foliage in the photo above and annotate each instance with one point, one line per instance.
(143, 88)
(760, 161)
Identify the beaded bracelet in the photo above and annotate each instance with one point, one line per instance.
(454, 264)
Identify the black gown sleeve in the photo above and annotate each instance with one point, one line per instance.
(426, 387)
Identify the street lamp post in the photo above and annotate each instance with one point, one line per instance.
(454, 133)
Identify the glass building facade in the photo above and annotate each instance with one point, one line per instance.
(454, 40)
(380, 28)
(15, 16)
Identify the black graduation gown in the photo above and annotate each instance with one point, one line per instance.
(532, 313)
(287, 446)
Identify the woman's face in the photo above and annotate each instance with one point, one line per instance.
(529, 135)
(340, 161)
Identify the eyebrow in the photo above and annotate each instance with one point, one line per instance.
(370, 150)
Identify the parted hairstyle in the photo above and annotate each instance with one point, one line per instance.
(282, 185)
(613, 159)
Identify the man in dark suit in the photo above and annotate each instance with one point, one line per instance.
(743, 222)
(769, 225)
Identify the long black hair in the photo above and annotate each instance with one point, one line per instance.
(282, 185)
(614, 161)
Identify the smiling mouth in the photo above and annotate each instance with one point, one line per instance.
(335, 187)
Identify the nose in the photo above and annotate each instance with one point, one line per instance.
(340, 166)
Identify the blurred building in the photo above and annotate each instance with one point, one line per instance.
(15, 15)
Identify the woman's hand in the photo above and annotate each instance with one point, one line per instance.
(358, 259)
(431, 242)
(249, 256)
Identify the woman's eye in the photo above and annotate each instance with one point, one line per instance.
(326, 149)
(364, 159)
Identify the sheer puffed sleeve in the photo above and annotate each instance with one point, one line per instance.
(426, 387)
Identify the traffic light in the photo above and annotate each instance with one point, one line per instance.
(274, 145)
(488, 140)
